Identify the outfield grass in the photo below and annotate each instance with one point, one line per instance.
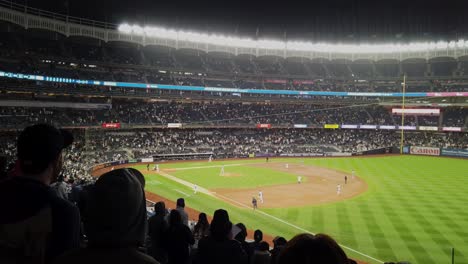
(414, 209)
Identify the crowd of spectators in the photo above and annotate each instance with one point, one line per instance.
(97, 146)
(140, 112)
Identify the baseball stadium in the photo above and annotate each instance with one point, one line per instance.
(361, 144)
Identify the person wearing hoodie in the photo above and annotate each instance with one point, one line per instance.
(115, 221)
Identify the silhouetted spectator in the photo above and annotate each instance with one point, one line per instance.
(180, 208)
(115, 221)
(278, 245)
(258, 237)
(241, 236)
(219, 246)
(262, 254)
(157, 227)
(36, 224)
(201, 229)
(177, 240)
(309, 249)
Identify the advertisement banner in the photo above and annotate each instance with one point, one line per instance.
(174, 125)
(368, 126)
(387, 127)
(147, 160)
(407, 127)
(275, 81)
(263, 125)
(110, 125)
(452, 129)
(331, 126)
(424, 151)
(303, 82)
(349, 126)
(455, 152)
(300, 125)
(428, 128)
(416, 111)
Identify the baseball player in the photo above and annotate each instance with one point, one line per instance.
(299, 179)
(352, 174)
(287, 166)
(147, 167)
(254, 203)
(210, 159)
(338, 189)
(221, 173)
(157, 167)
(345, 179)
(260, 196)
(195, 189)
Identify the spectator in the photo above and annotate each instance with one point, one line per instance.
(180, 208)
(157, 227)
(36, 224)
(115, 221)
(219, 247)
(241, 236)
(60, 188)
(201, 229)
(262, 254)
(308, 249)
(278, 245)
(177, 239)
(258, 237)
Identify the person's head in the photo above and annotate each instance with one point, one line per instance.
(308, 249)
(180, 202)
(202, 219)
(160, 208)
(258, 235)
(279, 242)
(39, 151)
(220, 227)
(264, 246)
(242, 234)
(115, 211)
(175, 219)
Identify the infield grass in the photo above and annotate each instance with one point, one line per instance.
(415, 209)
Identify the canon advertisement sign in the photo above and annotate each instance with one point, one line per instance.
(425, 151)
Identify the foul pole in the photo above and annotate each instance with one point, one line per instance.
(402, 136)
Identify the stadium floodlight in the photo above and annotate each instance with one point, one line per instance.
(232, 41)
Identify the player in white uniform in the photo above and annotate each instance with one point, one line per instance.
(195, 189)
(260, 196)
(287, 166)
(221, 173)
(338, 189)
(299, 179)
(352, 174)
(210, 159)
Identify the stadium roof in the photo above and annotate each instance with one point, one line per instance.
(318, 20)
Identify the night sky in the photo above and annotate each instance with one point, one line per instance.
(331, 20)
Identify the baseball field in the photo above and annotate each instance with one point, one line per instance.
(394, 208)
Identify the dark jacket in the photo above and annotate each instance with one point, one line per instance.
(36, 226)
(220, 251)
(177, 241)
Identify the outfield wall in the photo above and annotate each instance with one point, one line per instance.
(430, 151)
